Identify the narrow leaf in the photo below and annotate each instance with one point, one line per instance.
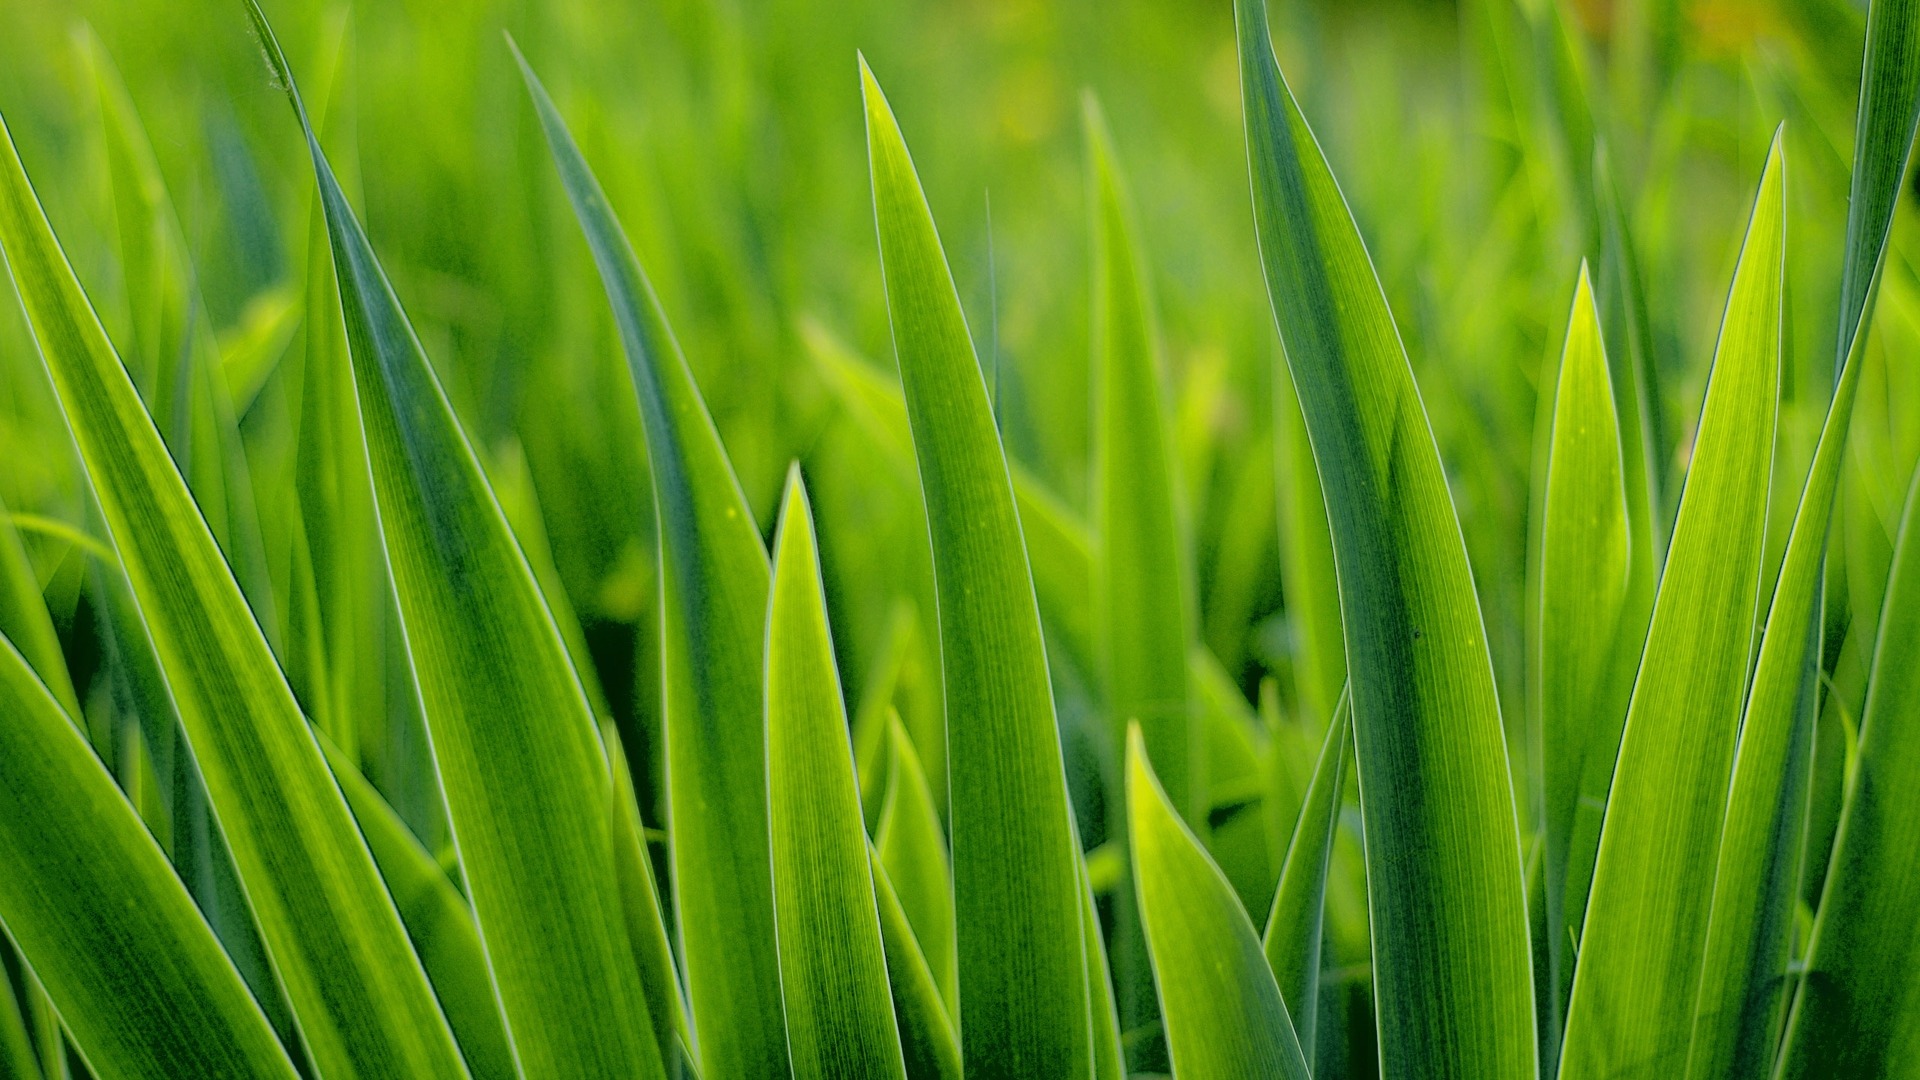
(95, 909)
(714, 578)
(1452, 966)
(24, 618)
(1023, 993)
(1631, 1010)
(914, 848)
(646, 923)
(519, 758)
(338, 947)
(1223, 1012)
(832, 964)
(1296, 925)
(927, 1038)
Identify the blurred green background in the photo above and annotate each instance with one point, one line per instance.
(729, 135)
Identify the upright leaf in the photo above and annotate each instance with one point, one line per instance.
(1023, 991)
(646, 922)
(1452, 981)
(1586, 560)
(927, 1038)
(519, 758)
(832, 964)
(1223, 1012)
(914, 848)
(89, 899)
(1296, 925)
(361, 999)
(714, 579)
(1631, 1010)
(24, 618)
(1884, 125)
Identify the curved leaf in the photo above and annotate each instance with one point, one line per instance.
(1295, 926)
(1223, 1013)
(363, 1003)
(24, 618)
(519, 759)
(89, 899)
(1023, 991)
(832, 964)
(1631, 1011)
(714, 578)
(1452, 965)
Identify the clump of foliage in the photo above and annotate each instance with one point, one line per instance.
(435, 671)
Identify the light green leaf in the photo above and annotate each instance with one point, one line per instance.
(361, 999)
(1023, 991)
(714, 577)
(833, 970)
(1223, 1012)
(519, 758)
(1452, 983)
(646, 923)
(914, 848)
(439, 922)
(927, 1037)
(1306, 560)
(1109, 1054)
(1884, 126)
(1631, 1012)
(90, 901)
(1296, 925)
(24, 618)
(1584, 669)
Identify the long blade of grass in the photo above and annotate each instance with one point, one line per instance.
(1307, 573)
(714, 580)
(1631, 1009)
(362, 1001)
(927, 1038)
(95, 909)
(1296, 924)
(646, 922)
(1884, 126)
(833, 968)
(24, 618)
(913, 847)
(1452, 976)
(520, 761)
(1023, 993)
(1222, 1009)
(438, 920)
(1858, 1009)
(1586, 560)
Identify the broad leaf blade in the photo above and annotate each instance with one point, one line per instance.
(1023, 994)
(519, 758)
(714, 580)
(1296, 925)
(1452, 980)
(361, 999)
(1631, 1009)
(1223, 1012)
(833, 970)
(93, 906)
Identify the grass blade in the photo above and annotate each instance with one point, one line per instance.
(1586, 564)
(927, 1038)
(1884, 127)
(1306, 560)
(439, 922)
(1295, 926)
(519, 757)
(832, 964)
(1023, 993)
(1640, 954)
(362, 1001)
(1223, 1013)
(913, 847)
(646, 923)
(24, 618)
(714, 580)
(90, 901)
(1453, 987)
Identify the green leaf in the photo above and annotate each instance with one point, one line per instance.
(1884, 126)
(24, 618)
(1296, 925)
(646, 923)
(1631, 1012)
(1023, 991)
(358, 992)
(1306, 560)
(927, 1038)
(520, 760)
(1223, 1012)
(439, 922)
(832, 964)
(1858, 1009)
(1452, 982)
(913, 847)
(714, 579)
(1109, 1054)
(1584, 667)
(89, 899)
